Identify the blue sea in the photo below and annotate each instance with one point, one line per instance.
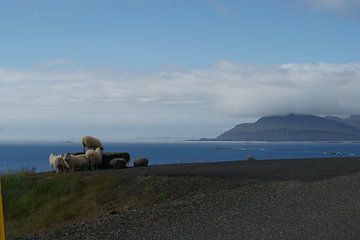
(27, 156)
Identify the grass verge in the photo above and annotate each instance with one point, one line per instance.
(42, 202)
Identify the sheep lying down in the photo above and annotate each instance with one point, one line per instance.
(118, 163)
(141, 162)
(108, 156)
(76, 162)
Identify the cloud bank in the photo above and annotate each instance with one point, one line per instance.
(223, 92)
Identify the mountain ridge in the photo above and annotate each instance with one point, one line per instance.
(295, 127)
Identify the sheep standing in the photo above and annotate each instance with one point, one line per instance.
(141, 162)
(95, 158)
(91, 143)
(57, 163)
(51, 161)
(76, 162)
(99, 154)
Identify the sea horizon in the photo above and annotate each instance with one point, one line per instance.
(34, 155)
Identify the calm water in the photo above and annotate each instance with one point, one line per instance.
(27, 156)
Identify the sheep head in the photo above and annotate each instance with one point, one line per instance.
(65, 157)
(99, 149)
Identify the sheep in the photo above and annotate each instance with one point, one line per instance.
(99, 153)
(118, 163)
(57, 163)
(95, 158)
(107, 157)
(52, 161)
(91, 143)
(141, 162)
(77, 153)
(76, 162)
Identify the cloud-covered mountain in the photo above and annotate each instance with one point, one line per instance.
(296, 128)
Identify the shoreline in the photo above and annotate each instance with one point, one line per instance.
(300, 168)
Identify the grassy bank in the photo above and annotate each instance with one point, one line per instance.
(36, 202)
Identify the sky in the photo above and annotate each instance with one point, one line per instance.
(137, 69)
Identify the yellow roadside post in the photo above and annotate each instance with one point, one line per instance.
(2, 227)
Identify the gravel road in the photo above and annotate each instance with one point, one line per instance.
(282, 199)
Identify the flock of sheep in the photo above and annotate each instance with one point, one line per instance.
(92, 158)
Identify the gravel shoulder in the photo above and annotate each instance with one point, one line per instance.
(277, 199)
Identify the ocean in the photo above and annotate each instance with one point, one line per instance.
(27, 156)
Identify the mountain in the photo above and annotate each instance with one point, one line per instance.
(353, 120)
(296, 127)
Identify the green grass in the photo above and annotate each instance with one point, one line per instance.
(33, 202)
(41, 202)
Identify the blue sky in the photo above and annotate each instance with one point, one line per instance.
(136, 68)
(151, 34)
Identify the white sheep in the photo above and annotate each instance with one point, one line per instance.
(95, 158)
(91, 155)
(99, 153)
(57, 163)
(91, 143)
(76, 162)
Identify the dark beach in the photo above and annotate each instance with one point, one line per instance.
(268, 199)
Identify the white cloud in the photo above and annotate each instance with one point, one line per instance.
(224, 92)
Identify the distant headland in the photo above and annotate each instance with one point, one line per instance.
(295, 127)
